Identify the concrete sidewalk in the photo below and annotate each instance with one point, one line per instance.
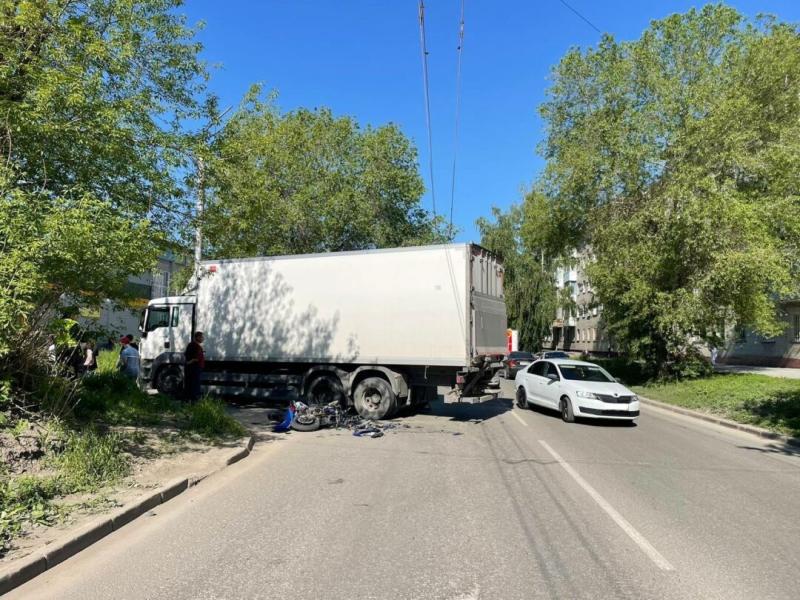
(770, 371)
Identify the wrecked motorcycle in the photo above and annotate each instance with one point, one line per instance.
(311, 418)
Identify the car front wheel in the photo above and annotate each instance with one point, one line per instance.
(522, 398)
(566, 410)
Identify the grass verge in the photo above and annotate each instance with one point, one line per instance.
(768, 402)
(85, 451)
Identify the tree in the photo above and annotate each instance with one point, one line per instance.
(307, 181)
(529, 286)
(93, 97)
(677, 158)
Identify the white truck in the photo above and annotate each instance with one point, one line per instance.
(378, 329)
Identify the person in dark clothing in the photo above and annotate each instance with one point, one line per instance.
(195, 362)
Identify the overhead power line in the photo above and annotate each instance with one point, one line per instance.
(459, 50)
(424, 50)
(592, 25)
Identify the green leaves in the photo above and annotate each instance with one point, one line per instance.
(307, 181)
(528, 286)
(675, 157)
(93, 96)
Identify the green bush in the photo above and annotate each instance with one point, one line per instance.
(208, 418)
(115, 399)
(629, 371)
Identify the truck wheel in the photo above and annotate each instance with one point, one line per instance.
(169, 380)
(323, 390)
(374, 398)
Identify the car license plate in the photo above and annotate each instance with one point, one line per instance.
(524, 362)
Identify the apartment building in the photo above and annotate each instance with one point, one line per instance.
(119, 320)
(579, 327)
(745, 347)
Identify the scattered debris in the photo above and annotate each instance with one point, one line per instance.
(302, 417)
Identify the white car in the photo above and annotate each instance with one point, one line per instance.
(576, 389)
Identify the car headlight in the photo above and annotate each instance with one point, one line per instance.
(634, 398)
(590, 395)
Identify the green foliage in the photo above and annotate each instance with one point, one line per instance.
(107, 361)
(24, 500)
(20, 427)
(92, 459)
(111, 397)
(759, 400)
(93, 96)
(676, 158)
(528, 284)
(208, 418)
(92, 93)
(307, 181)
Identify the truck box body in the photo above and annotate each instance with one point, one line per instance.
(377, 328)
(429, 306)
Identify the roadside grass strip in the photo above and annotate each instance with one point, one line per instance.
(769, 402)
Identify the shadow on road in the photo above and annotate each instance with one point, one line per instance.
(470, 413)
(547, 412)
(775, 448)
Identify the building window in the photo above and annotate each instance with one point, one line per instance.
(796, 319)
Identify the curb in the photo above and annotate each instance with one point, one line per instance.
(760, 432)
(47, 557)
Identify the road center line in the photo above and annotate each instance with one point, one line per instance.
(518, 418)
(647, 548)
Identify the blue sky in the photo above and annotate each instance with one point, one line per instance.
(362, 58)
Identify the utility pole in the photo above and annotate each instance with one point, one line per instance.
(200, 207)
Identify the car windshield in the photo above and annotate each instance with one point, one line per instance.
(585, 373)
(522, 355)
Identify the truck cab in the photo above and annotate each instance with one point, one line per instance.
(166, 328)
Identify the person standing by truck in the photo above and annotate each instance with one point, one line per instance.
(195, 363)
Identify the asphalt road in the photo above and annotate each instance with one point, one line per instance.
(469, 502)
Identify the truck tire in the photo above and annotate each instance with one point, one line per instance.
(323, 390)
(169, 380)
(374, 398)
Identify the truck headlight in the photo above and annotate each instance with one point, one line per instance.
(589, 395)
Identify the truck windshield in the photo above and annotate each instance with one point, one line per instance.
(157, 316)
(585, 373)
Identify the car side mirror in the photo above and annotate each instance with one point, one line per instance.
(617, 379)
(552, 377)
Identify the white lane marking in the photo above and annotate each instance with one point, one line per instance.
(647, 548)
(518, 418)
